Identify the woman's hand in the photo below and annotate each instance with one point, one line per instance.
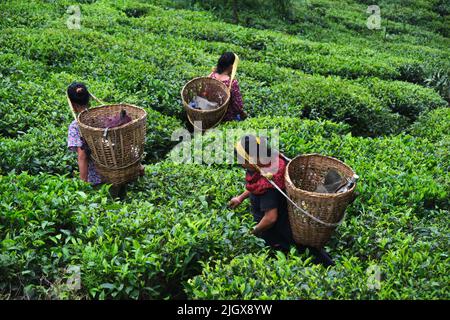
(235, 202)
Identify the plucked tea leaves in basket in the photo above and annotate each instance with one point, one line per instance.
(303, 174)
(216, 91)
(116, 151)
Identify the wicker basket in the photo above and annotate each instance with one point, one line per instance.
(117, 151)
(217, 92)
(119, 176)
(303, 174)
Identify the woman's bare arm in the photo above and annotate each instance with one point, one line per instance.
(267, 222)
(83, 164)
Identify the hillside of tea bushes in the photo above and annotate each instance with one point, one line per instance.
(377, 100)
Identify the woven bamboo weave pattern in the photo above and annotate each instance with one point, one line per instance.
(217, 92)
(303, 174)
(116, 151)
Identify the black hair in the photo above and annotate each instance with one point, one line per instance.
(225, 61)
(249, 143)
(78, 93)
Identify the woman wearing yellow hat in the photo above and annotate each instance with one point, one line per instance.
(269, 206)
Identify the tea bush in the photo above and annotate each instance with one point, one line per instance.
(163, 65)
(371, 106)
(404, 98)
(338, 101)
(37, 229)
(39, 150)
(291, 277)
(325, 82)
(144, 248)
(433, 125)
(314, 19)
(345, 62)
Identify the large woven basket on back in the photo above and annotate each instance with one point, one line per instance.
(217, 92)
(303, 174)
(117, 151)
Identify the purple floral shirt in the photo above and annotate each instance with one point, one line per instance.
(236, 106)
(74, 141)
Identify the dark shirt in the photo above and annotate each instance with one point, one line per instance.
(280, 234)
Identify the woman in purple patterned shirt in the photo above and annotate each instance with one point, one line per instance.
(79, 97)
(222, 73)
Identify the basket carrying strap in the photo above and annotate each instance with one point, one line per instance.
(96, 99)
(233, 72)
(269, 176)
(73, 110)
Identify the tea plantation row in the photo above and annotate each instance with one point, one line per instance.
(174, 236)
(154, 245)
(313, 19)
(101, 54)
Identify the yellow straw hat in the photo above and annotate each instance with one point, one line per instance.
(243, 154)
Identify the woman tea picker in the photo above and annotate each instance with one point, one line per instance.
(79, 97)
(222, 73)
(268, 205)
